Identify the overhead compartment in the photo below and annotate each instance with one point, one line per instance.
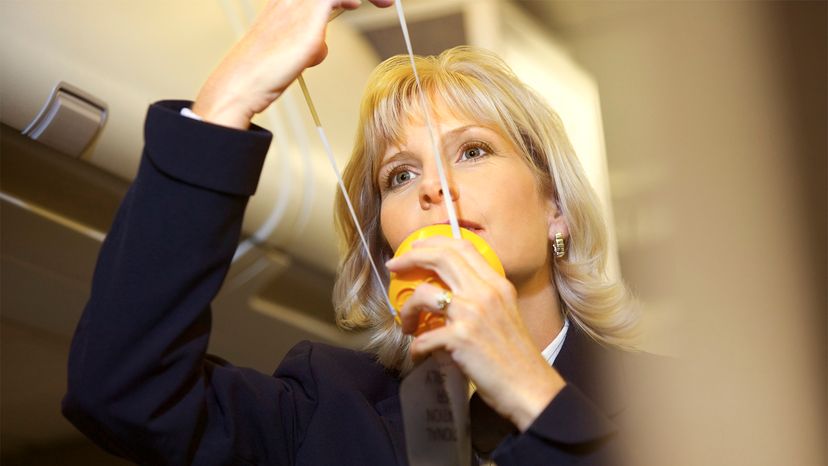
(131, 54)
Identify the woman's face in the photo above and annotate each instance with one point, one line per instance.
(495, 193)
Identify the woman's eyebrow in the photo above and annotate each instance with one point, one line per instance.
(398, 155)
(457, 132)
(388, 160)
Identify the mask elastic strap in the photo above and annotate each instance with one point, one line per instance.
(344, 191)
(452, 214)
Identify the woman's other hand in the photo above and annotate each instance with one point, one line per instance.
(286, 37)
(484, 334)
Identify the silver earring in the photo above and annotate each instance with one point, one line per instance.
(558, 246)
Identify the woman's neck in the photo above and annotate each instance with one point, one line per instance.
(540, 308)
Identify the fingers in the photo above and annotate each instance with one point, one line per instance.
(481, 298)
(447, 264)
(465, 249)
(452, 337)
(433, 340)
(426, 298)
(347, 4)
(353, 4)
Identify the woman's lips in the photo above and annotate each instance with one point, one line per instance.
(475, 227)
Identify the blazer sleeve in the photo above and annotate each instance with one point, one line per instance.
(571, 430)
(140, 383)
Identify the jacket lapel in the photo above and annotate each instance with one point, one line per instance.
(593, 368)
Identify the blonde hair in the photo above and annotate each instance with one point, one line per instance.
(479, 85)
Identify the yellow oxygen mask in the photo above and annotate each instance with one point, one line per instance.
(403, 284)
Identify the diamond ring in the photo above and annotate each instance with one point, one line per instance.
(443, 300)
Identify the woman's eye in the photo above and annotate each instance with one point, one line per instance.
(401, 177)
(473, 152)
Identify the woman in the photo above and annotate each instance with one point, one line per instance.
(140, 383)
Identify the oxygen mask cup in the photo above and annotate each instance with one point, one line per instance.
(403, 284)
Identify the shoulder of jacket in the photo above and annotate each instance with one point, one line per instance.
(345, 369)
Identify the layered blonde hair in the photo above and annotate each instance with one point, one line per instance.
(478, 85)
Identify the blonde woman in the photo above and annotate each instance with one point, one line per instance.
(535, 342)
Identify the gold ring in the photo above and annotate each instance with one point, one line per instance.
(443, 300)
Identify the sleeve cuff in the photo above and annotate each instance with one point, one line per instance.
(572, 418)
(203, 154)
(569, 421)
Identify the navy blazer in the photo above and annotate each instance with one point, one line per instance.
(142, 386)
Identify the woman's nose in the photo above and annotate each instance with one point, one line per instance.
(431, 192)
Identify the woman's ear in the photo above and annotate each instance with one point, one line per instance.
(556, 220)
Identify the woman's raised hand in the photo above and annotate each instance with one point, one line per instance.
(287, 37)
(484, 334)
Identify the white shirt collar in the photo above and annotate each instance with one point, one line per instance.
(551, 352)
